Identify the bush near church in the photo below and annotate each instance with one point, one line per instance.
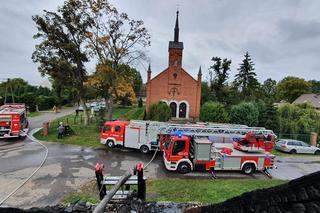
(245, 113)
(214, 112)
(159, 112)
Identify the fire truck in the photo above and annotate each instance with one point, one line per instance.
(186, 153)
(132, 134)
(152, 135)
(13, 120)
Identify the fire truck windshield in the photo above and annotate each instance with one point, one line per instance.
(168, 144)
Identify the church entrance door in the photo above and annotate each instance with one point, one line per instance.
(173, 107)
(182, 110)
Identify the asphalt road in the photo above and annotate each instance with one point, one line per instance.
(68, 167)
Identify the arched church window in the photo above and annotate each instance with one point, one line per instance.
(182, 110)
(173, 107)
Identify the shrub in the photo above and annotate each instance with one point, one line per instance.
(214, 112)
(245, 113)
(159, 112)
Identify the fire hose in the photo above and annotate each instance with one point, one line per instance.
(34, 172)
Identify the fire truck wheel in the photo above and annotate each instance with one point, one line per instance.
(144, 149)
(184, 168)
(110, 143)
(293, 151)
(248, 168)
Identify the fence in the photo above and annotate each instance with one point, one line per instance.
(79, 120)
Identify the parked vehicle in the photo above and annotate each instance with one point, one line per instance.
(295, 146)
(13, 120)
(186, 153)
(150, 135)
(137, 135)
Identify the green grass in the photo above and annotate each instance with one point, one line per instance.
(203, 191)
(83, 135)
(34, 114)
(88, 192)
(179, 190)
(87, 136)
(285, 154)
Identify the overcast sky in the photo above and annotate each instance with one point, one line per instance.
(283, 37)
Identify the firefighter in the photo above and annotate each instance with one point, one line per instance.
(99, 170)
(60, 130)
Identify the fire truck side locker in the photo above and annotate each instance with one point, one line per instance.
(202, 155)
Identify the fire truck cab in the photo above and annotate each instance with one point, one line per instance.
(13, 120)
(185, 154)
(112, 133)
(131, 134)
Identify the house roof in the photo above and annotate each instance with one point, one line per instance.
(313, 99)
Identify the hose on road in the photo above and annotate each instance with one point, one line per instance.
(34, 172)
(154, 155)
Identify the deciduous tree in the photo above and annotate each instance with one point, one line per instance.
(218, 76)
(290, 88)
(114, 37)
(244, 113)
(214, 112)
(61, 52)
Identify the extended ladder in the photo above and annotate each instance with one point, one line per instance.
(212, 130)
(203, 129)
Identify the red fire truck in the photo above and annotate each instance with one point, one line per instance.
(132, 134)
(13, 120)
(185, 153)
(150, 135)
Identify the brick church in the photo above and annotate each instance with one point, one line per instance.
(175, 86)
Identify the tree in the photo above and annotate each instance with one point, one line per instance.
(244, 113)
(298, 119)
(159, 112)
(220, 70)
(270, 119)
(206, 94)
(261, 107)
(290, 88)
(213, 112)
(246, 78)
(61, 53)
(315, 86)
(114, 37)
(269, 90)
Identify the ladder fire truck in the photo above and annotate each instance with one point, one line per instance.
(152, 135)
(13, 120)
(185, 153)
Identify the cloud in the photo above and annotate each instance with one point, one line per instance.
(281, 36)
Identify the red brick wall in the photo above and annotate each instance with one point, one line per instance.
(188, 89)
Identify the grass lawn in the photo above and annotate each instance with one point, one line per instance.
(179, 190)
(203, 191)
(33, 114)
(284, 154)
(86, 135)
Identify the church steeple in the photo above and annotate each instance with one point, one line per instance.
(149, 73)
(176, 29)
(175, 46)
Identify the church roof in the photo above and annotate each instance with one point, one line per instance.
(167, 70)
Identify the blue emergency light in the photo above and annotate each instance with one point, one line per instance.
(178, 133)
